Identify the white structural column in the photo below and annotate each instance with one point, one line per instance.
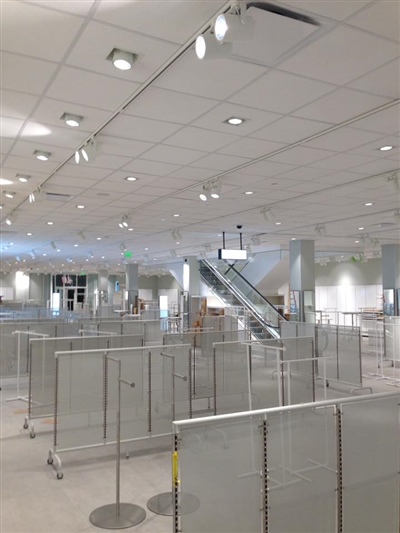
(302, 280)
(191, 287)
(132, 286)
(391, 278)
(102, 285)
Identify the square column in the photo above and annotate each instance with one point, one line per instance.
(302, 280)
(391, 279)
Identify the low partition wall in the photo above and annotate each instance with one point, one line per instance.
(341, 344)
(202, 341)
(86, 387)
(42, 367)
(329, 467)
(391, 338)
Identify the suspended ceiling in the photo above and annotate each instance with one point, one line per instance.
(318, 103)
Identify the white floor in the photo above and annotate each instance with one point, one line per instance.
(32, 500)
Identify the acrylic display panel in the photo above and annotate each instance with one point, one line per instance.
(370, 448)
(349, 355)
(302, 471)
(42, 374)
(264, 375)
(231, 377)
(220, 465)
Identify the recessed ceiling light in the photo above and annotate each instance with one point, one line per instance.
(249, 192)
(29, 234)
(72, 120)
(80, 206)
(9, 194)
(293, 238)
(122, 60)
(130, 229)
(369, 203)
(76, 245)
(3, 181)
(99, 238)
(176, 215)
(386, 148)
(234, 121)
(360, 228)
(278, 223)
(131, 178)
(44, 255)
(50, 223)
(23, 178)
(58, 250)
(356, 242)
(42, 156)
(146, 249)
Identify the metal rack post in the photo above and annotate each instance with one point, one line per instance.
(118, 515)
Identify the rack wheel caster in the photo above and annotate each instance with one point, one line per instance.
(32, 435)
(59, 475)
(50, 461)
(25, 426)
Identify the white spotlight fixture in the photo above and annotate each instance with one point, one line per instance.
(42, 156)
(88, 151)
(9, 221)
(82, 236)
(173, 253)
(122, 60)
(320, 230)
(233, 27)
(32, 197)
(234, 121)
(215, 189)
(123, 247)
(53, 245)
(204, 194)
(72, 120)
(23, 178)
(394, 180)
(256, 240)
(386, 148)
(207, 47)
(267, 213)
(32, 254)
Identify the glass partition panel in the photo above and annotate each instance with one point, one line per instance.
(80, 400)
(133, 327)
(288, 329)
(302, 471)
(265, 386)
(8, 350)
(327, 346)
(299, 348)
(126, 341)
(231, 377)
(111, 327)
(220, 465)
(153, 331)
(370, 449)
(298, 381)
(349, 355)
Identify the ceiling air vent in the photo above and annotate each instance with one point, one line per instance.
(56, 197)
(277, 31)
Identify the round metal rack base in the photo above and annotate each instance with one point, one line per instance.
(163, 504)
(106, 516)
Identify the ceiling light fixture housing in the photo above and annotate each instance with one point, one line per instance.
(74, 121)
(207, 47)
(23, 178)
(234, 121)
(121, 59)
(233, 27)
(386, 148)
(9, 194)
(42, 156)
(131, 178)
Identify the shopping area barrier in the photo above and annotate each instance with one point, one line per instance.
(342, 344)
(331, 466)
(42, 368)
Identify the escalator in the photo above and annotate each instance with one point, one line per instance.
(225, 280)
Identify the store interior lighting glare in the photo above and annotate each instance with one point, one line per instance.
(233, 27)
(207, 47)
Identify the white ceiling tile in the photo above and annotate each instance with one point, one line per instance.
(30, 30)
(385, 165)
(338, 10)
(305, 173)
(191, 173)
(72, 169)
(140, 128)
(384, 81)
(252, 148)
(254, 119)
(341, 105)
(328, 58)
(343, 139)
(21, 72)
(6, 144)
(75, 7)
(150, 167)
(110, 161)
(123, 147)
(26, 149)
(56, 136)
(280, 92)
(174, 21)
(216, 79)
(382, 18)
(98, 40)
(266, 168)
(385, 122)
(372, 149)
(16, 104)
(171, 154)
(301, 155)
(290, 130)
(220, 162)
(90, 89)
(343, 161)
(169, 106)
(200, 139)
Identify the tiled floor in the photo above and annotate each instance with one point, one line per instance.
(34, 501)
